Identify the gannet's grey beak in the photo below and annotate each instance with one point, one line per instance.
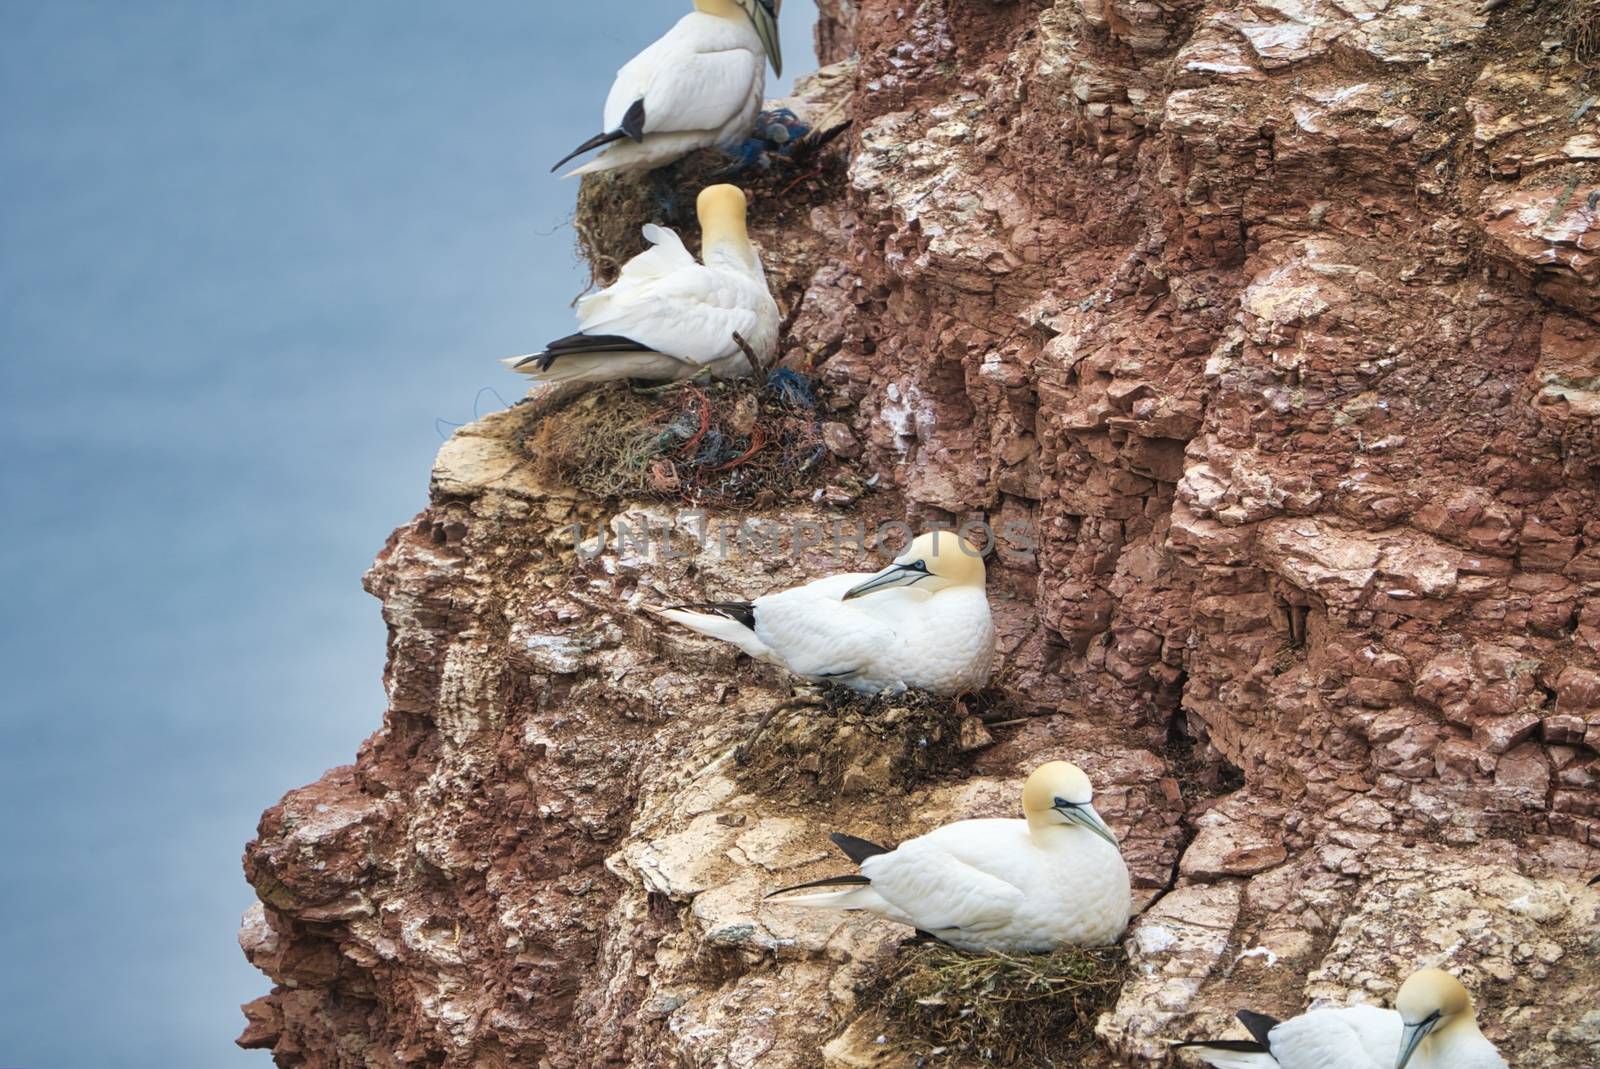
(1081, 814)
(764, 13)
(1411, 1037)
(894, 575)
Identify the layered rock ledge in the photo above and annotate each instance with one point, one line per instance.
(1272, 327)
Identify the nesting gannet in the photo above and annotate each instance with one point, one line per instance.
(1054, 879)
(921, 623)
(668, 317)
(1431, 1027)
(700, 85)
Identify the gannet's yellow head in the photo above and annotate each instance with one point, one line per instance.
(1430, 1001)
(763, 14)
(934, 561)
(1059, 793)
(722, 210)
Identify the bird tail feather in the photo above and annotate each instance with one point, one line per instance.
(593, 143)
(1231, 1054)
(719, 627)
(858, 896)
(601, 366)
(606, 161)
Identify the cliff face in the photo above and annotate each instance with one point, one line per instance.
(1271, 328)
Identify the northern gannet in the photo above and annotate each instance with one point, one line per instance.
(700, 85)
(1432, 1026)
(1054, 879)
(668, 317)
(921, 623)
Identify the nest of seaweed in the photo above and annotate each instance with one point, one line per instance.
(727, 444)
(1001, 1009)
(856, 744)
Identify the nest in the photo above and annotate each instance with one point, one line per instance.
(780, 155)
(868, 744)
(731, 444)
(1001, 1009)
(1581, 19)
(612, 209)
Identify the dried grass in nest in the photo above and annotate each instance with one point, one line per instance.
(1001, 1009)
(729, 445)
(1581, 18)
(867, 744)
(613, 208)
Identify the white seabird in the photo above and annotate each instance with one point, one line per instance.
(669, 317)
(1432, 1026)
(1054, 879)
(922, 623)
(698, 86)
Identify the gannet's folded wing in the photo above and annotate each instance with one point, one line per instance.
(689, 314)
(598, 358)
(683, 89)
(1348, 1038)
(1355, 1037)
(818, 635)
(665, 256)
(939, 892)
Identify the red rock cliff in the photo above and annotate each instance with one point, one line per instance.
(1275, 322)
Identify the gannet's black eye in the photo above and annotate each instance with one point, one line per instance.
(918, 566)
(1062, 803)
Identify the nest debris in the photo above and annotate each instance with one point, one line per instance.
(726, 444)
(613, 207)
(785, 163)
(1581, 19)
(1003, 1009)
(859, 744)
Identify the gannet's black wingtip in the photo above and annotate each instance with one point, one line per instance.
(633, 122)
(852, 880)
(593, 143)
(857, 850)
(740, 612)
(1235, 1046)
(1259, 1024)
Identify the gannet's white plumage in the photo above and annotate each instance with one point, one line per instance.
(669, 317)
(1053, 879)
(698, 86)
(922, 623)
(1433, 1026)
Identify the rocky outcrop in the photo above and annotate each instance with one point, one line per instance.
(1265, 333)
